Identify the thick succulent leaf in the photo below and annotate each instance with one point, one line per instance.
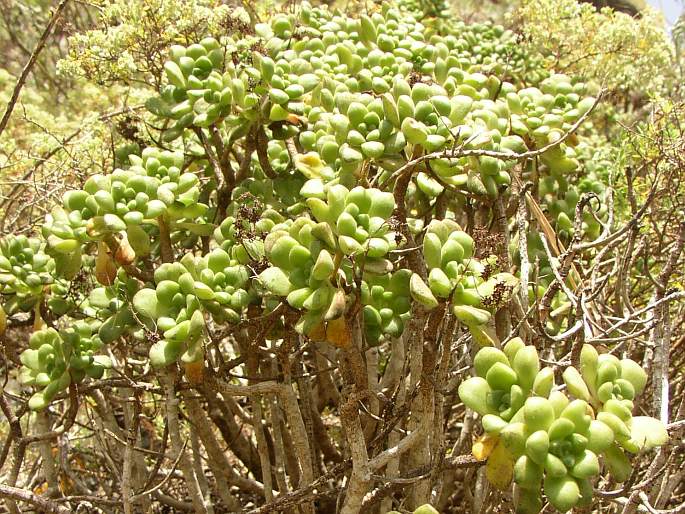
(486, 358)
(575, 384)
(471, 315)
(421, 292)
(563, 492)
(163, 353)
(276, 281)
(145, 303)
(474, 393)
(647, 432)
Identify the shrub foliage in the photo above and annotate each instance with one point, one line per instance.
(313, 225)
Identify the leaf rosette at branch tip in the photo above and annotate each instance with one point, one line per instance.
(215, 284)
(455, 275)
(198, 92)
(108, 304)
(121, 209)
(25, 272)
(555, 442)
(243, 240)
(611, 384)
(314, 261)
(386, 305)
(56, 359)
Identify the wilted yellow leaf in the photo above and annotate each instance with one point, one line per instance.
(309, 164)
(3, 320)
(483, 446)
(105, 268)
(317, 332)
(338, 333)
(38, 322)
(483, 335)
(194, 372)
(500, 467)
(40, 489)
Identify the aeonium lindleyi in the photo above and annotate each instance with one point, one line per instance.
(545, 441)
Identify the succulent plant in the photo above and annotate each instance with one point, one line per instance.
(323, 98)
(198, 92)
(184, 291)
(312, 260)
(327, 177)
(248, 248)
(455, 275)
(386, 305)
(550, 440)
(610, 385)
(25, 270)
(127, 202)
(106, 303)
(56, 359)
